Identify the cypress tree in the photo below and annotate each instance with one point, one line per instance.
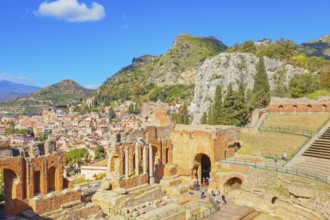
(112, 114)
(217, 106)
(228, 107)
(241, 110)
(185, 116)
(210, 116)
(204, 119)
(261, 88)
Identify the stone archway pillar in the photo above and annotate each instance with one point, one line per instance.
(126, 163)
(144, 159)
(137, 159)
(151, 167)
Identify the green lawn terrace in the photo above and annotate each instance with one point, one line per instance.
(279, 133)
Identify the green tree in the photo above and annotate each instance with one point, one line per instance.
(217, 106)
(234, 107)
(204, 119)
(185, 115)
(325, 77)
(303, 84)
(210, 119)
(261, 88)
(76, 156)
(99, 152)
(248, 47)
(112, 114)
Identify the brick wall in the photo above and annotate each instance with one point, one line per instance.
(44, 205)
(299, 108)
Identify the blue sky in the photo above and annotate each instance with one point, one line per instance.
(42, 42)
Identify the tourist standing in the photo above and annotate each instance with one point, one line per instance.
(217, 192)
(223, 199)
(275, 159)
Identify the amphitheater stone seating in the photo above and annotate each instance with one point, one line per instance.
(315, 160)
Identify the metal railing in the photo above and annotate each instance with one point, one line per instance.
(302, 131)
(272, 166)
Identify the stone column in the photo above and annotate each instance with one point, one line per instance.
(151, 167)
(144, 159)
(126, 163)
(137, 159)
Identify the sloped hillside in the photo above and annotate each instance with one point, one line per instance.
(319, 47)
(59, 94)
(236, 68)
(147, 74)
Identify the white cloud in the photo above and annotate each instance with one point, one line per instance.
(16, 79)
(92, 86)
(71, 11)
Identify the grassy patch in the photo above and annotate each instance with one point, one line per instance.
(264, 143)
(316, 94)
(79, 181)
(312, 121)
(225, 170)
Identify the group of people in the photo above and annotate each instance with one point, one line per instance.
(206, 181)
(283, 157)
(216, 194)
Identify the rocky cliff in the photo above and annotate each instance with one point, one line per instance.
(235, 68)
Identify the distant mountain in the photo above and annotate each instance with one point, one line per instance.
(174, 71)
(319, 47)
(11, 90)
(62, 93)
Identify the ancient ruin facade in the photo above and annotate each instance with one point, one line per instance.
(158, 152)
(301, 105)
(34, 180)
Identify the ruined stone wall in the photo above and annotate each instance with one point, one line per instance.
(54, 202)
(134, 181)
(186, 145)
(14, 177)
(46, 171)
(299, 108)
(159, 133)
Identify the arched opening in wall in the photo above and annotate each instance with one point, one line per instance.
(324, 108)
(294, 108)
(36, 183)
(51, 174)
(309, 108)
(280, 108)
(8, 194)
(274, 200)
(203, 167)
(233, 184)
(166, 155)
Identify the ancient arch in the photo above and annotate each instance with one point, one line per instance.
(233, 183)
(13, 183)
(309, 108)
(201, 167)
(294, 107)
(280, 108)
(274, 199)
(324, 108)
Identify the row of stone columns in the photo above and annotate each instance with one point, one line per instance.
(137, 172)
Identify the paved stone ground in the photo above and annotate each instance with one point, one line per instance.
(230, 211)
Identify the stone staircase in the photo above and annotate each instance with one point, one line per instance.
(315, 159)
